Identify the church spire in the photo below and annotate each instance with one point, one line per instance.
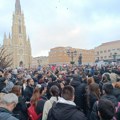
(17, 7)
(9, 36)
(5, 35)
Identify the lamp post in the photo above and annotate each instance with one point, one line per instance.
(72, 54)
(114, 57)
(80, 59)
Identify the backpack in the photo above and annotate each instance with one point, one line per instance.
(32, 113)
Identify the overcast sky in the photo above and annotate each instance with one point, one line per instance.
(76, 23)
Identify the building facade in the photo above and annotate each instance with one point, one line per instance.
(59, 55)
(17, 43)
(42, 61)
(109, 51)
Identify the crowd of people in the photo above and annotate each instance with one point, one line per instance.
(60, 93)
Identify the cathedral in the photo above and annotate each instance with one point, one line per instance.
(17, 43)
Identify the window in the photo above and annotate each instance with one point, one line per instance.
(19, 29)
(101, 51)
(104, 51)
(109, 50)
(105, 57)
(98, 53)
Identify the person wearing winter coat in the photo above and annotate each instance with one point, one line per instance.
(54, 91)
(29, 89)
(7, 104)
(20, 111)
(103, 110)
(108, 89)
(116, 90)
(92, 95)
(2, 83)
(79, 91)
(65, 108)
(37, 104)
(106, 109)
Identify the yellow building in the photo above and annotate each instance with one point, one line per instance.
(109, 51)
(17, 43)
(42, 60)
(60, 56)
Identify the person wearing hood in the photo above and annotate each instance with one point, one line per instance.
(65, 108)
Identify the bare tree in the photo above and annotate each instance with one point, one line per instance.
(6, 59)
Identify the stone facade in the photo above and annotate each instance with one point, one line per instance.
(42, 61)
(18, 44)
(109, 51)
(59, 55)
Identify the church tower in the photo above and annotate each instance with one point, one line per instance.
(18, 44)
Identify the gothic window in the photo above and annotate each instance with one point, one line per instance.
(19, 23)
(19, 29)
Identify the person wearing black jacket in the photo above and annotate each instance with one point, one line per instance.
(65, 108)
(108, 89)
(29, 89)
(79, 91)
(20, 111)
(2, 83)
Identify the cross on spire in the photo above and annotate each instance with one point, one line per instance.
(17, 7)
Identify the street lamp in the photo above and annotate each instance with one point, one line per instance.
(114, 57)
(72, 54)
(80, 59)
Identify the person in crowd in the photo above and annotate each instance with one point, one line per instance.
(24, 85)
(79, 91)
(108, 93)
(37, 104)
(116, 91)
(2, 83)
(21, 108)
(105, 79)
(113, 76)
(90, 80)
(35, 77)
(106, 110)
(8, 87)
(97, 77)
(54, 91)
(92, 95)
(65, 108)
(29, 89)
(7, 104)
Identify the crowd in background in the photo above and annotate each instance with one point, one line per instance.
(60, 93)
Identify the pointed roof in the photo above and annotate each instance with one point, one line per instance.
(17, 7)
(5, 35)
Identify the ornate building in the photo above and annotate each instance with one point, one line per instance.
(17, 44)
